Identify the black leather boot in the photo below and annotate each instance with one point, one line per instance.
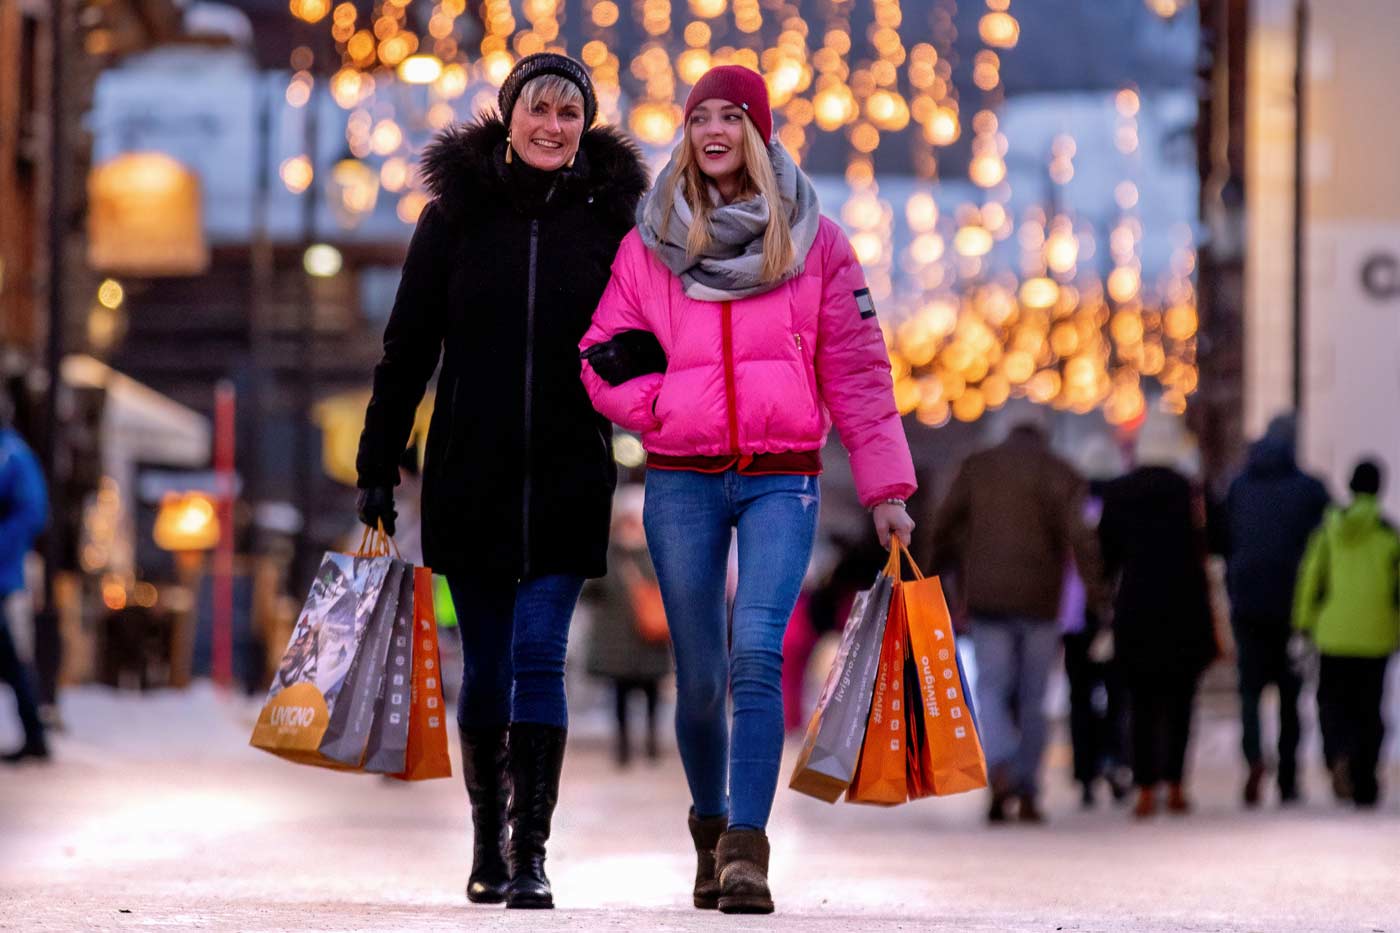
(484, 771)
(536, 759)
(706, 832)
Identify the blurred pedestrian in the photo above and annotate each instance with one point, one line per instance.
(1348, 603)
(1153, 536)
(1009, 525)
(628, 645)
(24, 509)
(1271, 509)
(760, 314)
(507, 263)
(1097, 712)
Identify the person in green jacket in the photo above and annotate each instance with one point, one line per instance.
(1348, 603)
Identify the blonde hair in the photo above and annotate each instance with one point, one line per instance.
(555, 88)
(759, 181)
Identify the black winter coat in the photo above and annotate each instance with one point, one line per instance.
(1270, 512)
(1154, 548)
(502, 277)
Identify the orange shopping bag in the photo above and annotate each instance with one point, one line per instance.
(881, 776)
(427, 722)
(945, 751)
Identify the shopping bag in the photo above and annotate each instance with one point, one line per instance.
(347, 732)
(836, 732)
(387, 750)
(945, 751)
(327, 661)
(881, 775)
(426, 756)
(647, 607)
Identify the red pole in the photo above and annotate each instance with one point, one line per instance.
(224, 407)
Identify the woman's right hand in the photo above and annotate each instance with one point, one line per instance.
(892, 519)
(376, 506)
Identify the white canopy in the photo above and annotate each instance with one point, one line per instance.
(138, 423)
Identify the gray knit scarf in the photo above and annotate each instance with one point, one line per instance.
(732, 266)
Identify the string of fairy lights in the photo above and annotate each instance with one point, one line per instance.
(967, 326)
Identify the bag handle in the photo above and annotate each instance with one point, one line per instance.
(893, 566)
(375, 543)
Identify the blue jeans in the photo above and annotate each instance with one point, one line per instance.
(1014, 660)
(514, 636)
(689, 520)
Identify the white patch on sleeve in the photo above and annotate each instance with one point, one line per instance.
(865, 303)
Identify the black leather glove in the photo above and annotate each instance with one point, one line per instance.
(376, 505)
(629, 354)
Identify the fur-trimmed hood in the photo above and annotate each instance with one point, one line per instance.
(465, 164)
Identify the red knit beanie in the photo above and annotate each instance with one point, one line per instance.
(739, 86)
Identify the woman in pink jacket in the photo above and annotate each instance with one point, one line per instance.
(735, 329)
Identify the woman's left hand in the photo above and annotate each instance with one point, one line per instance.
(893, 518)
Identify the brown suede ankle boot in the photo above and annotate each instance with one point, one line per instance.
(706, 833)
(741, 865)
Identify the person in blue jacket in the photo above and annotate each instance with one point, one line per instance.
(24, 508)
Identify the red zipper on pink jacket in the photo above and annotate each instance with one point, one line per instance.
(730, 397)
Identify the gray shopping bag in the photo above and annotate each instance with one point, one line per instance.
(387, 751)
(347, 733)
(831, 749)
(316, 681)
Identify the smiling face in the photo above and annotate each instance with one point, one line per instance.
(546, 125)
(716, 133)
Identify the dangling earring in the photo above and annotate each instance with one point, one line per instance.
(508, 149)
(571, 160)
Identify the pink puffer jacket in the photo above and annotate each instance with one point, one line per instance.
(765, 374)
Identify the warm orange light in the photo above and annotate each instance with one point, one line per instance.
(987, 170)
(297, 174)
(411, 206)
(1019, 366)
(907, 395)
(1062, 250)
(999, 30)
(973, 241)
(497, 65)
(1180, 322)
(835, 107)
(1044, 386)
(420, 69)
(868, 248)
(655, 123)
(926, 248)
(1039, 293)
(312, 11)
(970, 406)
(1124, 284)
(888, 111)
(1128, 102)
(943, 129)
(186, 522)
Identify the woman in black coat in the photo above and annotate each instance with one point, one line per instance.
(503, 273)
(1152, 533)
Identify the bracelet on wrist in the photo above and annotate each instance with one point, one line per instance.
(899, 502)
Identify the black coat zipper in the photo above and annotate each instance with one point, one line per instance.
(529, 398)
(530, 389)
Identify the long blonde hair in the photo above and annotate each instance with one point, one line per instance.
(759, 181)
